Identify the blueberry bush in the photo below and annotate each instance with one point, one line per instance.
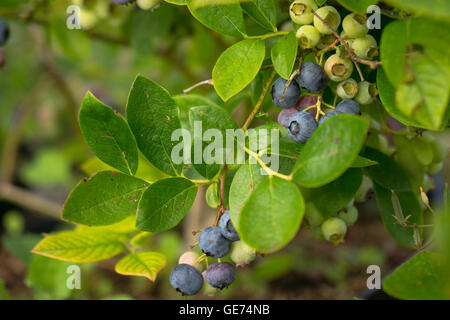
(355, 95)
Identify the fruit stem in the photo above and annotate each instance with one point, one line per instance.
(259, 102)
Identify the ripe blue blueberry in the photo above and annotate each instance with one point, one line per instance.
(348, 106)
(226, 227)
(291, 95)
(328, 115)
(220, 275)
(186, 279)
(213, 243)
(4, 31)
(302, 126)
(312, 77)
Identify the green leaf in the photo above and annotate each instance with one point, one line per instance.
(153, 116)
(387, 96)
(177, 2)
(436, 9)
(187, 101)
(209, 117)
(245, 181)
(331, 150)
(224, 18)
(144, 264)
(103, 199)
(359, 6)
(388, 173)
(416, 59)
(409, 205)
(272, 215)
(108, 136)
(284, 53)
(263, 12)
(361, 162)
(237, 67)
(165, 203)
(334, 196)
(420, 278)
(82, 246)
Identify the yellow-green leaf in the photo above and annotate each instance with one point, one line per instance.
(143, 264)
(82, 246)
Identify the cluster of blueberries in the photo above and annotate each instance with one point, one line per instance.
(302, 124)
(314, 30)
(216, 242)
(4, 36)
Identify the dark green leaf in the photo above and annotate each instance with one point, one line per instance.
(103, 199)
(223, 18)
(153, 116)
(359, 6)
(361, 162)
(436, 9)
(334, 196)
(331, 150)
(165, 203)
(108, 135)
(409, 206)
(388, 173)
(263, 12)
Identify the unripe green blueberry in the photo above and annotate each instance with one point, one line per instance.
(366, 92)
(440, 149)
(190, 258)
(308, 36)
(354, 25)
(334, 230)
(242, 254)
(146, 4)
(365, 47)
(347, 89)
(331, 16)
(435, 167)
(313, 215)
(300, 11)
(338, 68)
(349, 215)
(364, 188)
(325, 41)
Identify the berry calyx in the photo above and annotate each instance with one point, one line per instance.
(300, 11)
(302, 126)
(186, 279)
(347, 89)
(220, 275)
(334, 230)
(338, 68)
(308, 36)
(312, 77)
(331, 16)
(290, 97)
(354, 25)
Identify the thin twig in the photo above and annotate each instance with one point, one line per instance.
(353, 56)
(260, 101)
(30, 201)
(221, 210)
(201, 83)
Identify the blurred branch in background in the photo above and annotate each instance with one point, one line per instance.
(28, 200)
